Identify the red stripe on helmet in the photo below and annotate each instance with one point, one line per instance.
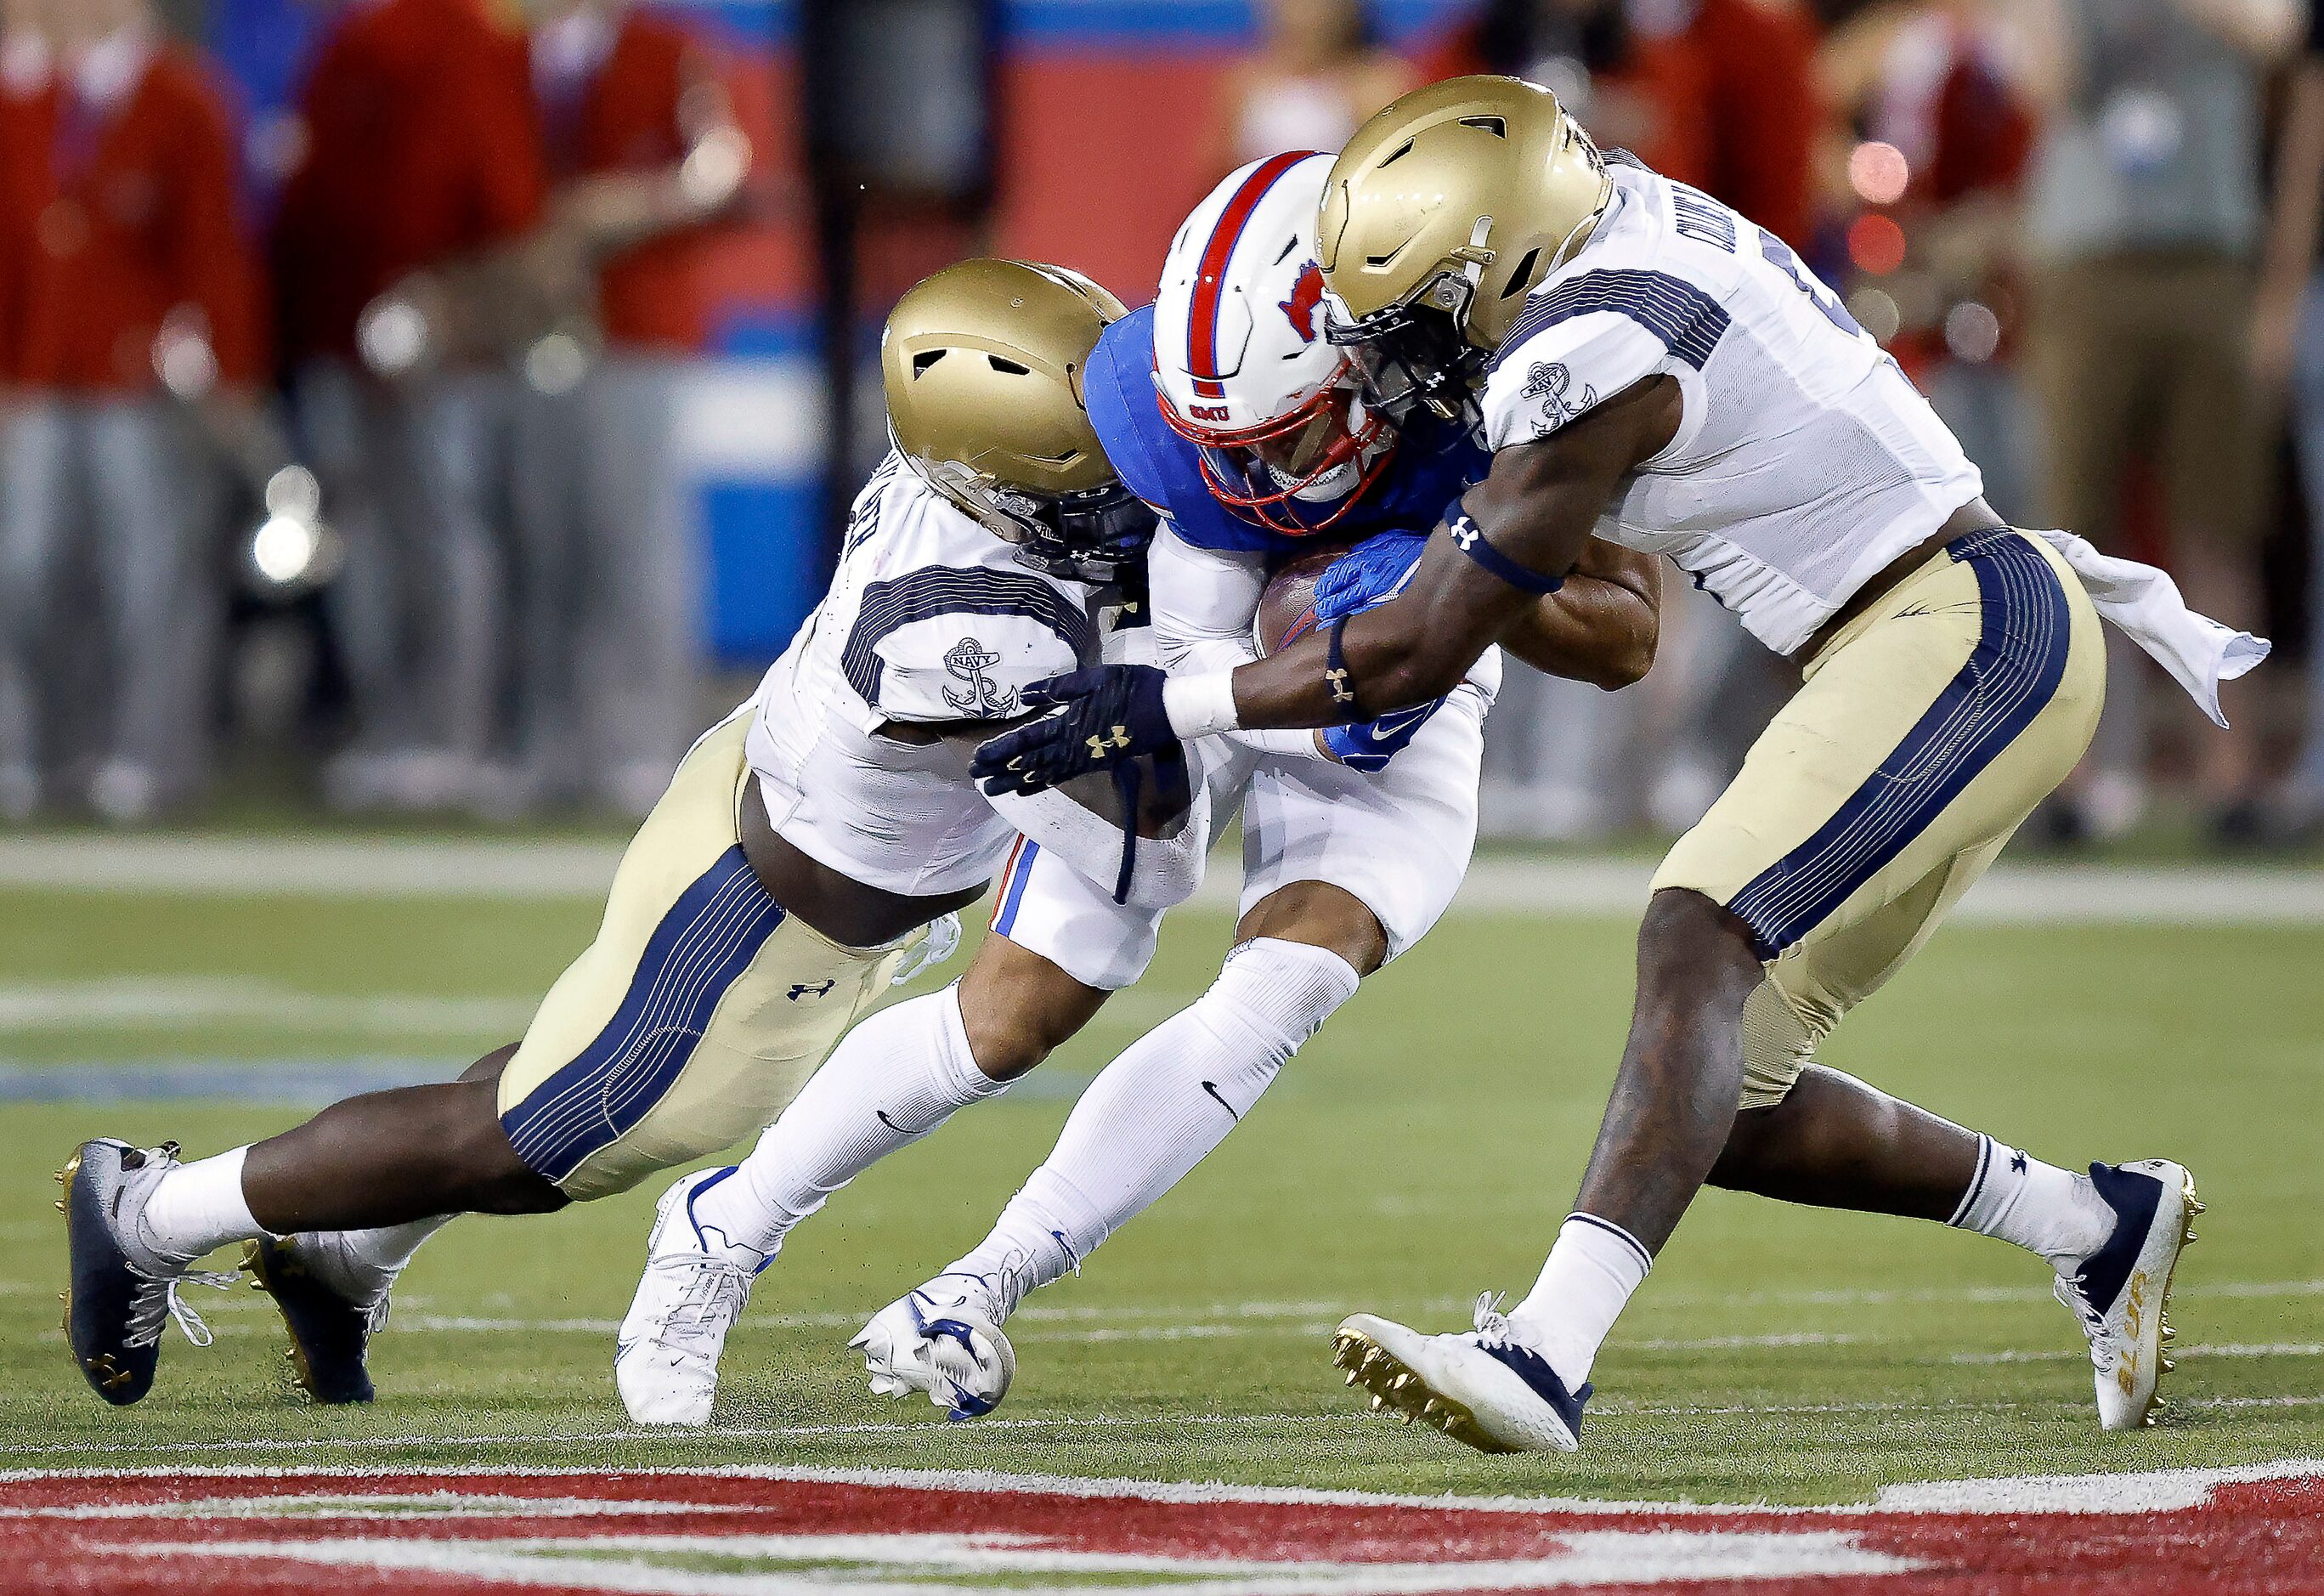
(1203, 329)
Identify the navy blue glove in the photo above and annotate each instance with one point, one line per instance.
(1367, 575)
(1369, 745)
(1105, 717)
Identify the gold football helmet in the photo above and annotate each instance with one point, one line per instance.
(1440, 216)
(983, 363)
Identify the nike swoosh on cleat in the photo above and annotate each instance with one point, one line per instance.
(1222, 1102)
(1532, 1368)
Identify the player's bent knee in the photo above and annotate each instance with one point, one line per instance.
(484, 1169)
(1319, 915)
(1690, 947)
(1017, 1008)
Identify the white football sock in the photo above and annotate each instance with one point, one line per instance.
(388, 1247)
(196, 1207)
(1152, 1114)
(1592, 1269)
(2039, 1207)
(893, 1079)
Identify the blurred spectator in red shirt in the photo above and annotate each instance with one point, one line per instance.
(27, 101)
(1316, 75)
(136, 289)
(641, 147)
(419, 154)
(1635, 87)
(1721, 94)
(1931, 131)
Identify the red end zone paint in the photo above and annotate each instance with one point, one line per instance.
(734, 1533)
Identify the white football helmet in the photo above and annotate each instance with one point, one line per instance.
(1241, 360)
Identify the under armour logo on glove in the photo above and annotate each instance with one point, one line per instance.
(1105, 744)
(1104, 716)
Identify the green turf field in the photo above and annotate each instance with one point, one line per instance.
(1424, 1147)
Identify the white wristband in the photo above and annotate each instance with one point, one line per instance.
(1201, 705)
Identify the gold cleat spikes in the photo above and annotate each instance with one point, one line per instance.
(1396, 1389)
(58, 1203)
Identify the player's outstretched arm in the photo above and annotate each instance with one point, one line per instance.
(1602, 626)
(1521, 531)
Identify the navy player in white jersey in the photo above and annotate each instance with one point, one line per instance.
(1354, 842)
(1653, 369)
(804, 850)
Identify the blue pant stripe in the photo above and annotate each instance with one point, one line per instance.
(554, 1113)
(1953, 741)
(2010, 676)
(575, 1103)
(705, 941)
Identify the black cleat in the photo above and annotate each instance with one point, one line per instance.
(120, 1294)
(329, 1331)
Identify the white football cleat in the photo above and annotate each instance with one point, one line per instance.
(2121, 1293)
(1486, 1388)
(943, 1339)
(696, 1284)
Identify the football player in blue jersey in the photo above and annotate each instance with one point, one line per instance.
(1225, 407)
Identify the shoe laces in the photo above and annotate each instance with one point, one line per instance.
(711, 1300)
(156, 1302)
(1492, 1324)
(2103, 1351)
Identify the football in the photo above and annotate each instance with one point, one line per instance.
(1287, 610)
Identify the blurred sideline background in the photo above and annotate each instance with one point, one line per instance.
(444, 407)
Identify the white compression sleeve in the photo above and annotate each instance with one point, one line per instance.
(195, 1208)
(1154, 1112)
(893, 1079)
(1204, 601)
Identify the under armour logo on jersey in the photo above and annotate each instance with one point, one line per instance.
(983, 699)
(1549, 381)
(820, 989)
(1307, 299)
(2017, 1163)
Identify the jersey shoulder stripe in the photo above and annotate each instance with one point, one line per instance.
(1688, 322)
(934, 591)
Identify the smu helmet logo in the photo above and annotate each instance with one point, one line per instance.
(1307, 299)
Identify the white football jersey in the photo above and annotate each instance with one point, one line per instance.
(929, 618)
(1805, 461)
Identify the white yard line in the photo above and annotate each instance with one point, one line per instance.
(2115, 1494)
(149, 1002)
(535, 871)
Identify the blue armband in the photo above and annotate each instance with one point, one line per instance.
(1469, 538)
